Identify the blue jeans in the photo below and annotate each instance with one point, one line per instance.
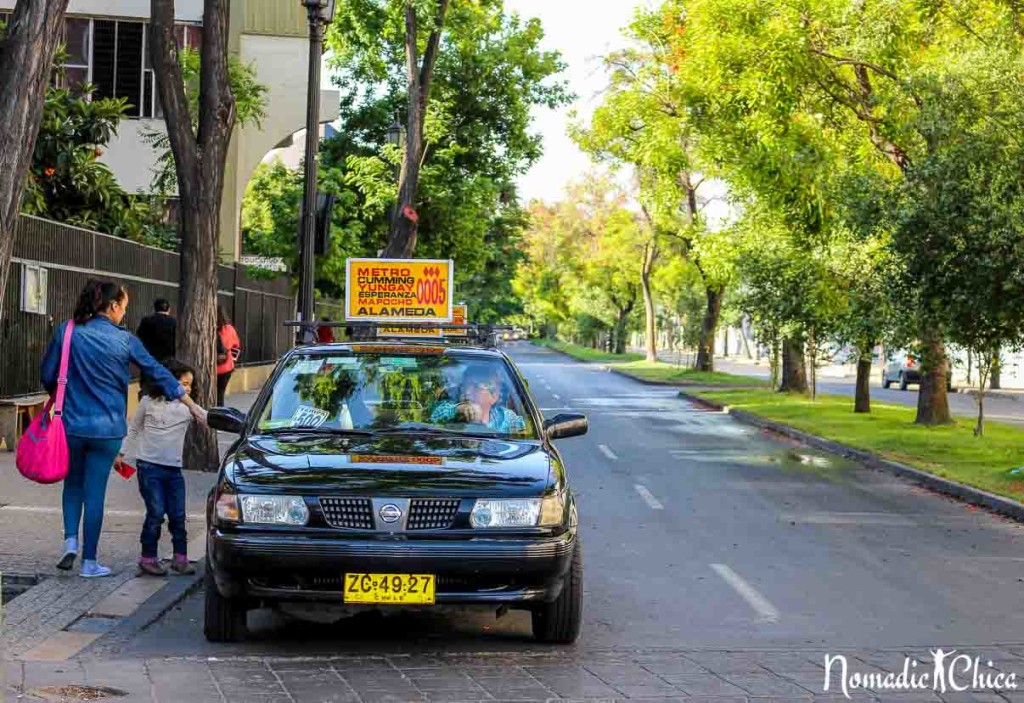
(90, 461)
(163, 490)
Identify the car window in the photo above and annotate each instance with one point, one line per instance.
(397, 391)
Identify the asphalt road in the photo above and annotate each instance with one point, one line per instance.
(702, 533)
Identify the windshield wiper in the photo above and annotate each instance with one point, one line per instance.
(318, 430)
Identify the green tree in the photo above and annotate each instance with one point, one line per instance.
(26, 60)
(484, 74)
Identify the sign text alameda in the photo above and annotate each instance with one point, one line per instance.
(398, 290)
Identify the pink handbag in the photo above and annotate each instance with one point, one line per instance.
(43, 450)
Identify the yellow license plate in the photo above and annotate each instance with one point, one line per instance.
(396, 589)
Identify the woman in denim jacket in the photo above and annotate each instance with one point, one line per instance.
(96, 408)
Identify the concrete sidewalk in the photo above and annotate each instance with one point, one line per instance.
(62, 613)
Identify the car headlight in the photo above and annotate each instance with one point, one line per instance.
(274, 510)
(519, 512)
(227, 508)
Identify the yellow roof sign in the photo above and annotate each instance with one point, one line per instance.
(398, 290)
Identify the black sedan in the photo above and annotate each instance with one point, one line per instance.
(394, 475)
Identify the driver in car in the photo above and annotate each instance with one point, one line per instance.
(480, 401)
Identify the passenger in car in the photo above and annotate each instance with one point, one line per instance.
(481, 400)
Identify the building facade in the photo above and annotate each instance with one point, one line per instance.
(106, 44)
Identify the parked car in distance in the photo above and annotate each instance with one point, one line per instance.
(903, 368)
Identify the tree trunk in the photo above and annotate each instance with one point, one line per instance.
(932, 401)
(995, 374)
(405, 227)
(650, 254)
(979, 429)
(620, 330)
(862, 397)
(706, 342)
(970, 359)
(200, 158)
(26, 63)
(794, 367)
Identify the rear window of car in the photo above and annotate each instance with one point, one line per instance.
(397, 389)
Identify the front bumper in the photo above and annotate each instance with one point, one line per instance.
(481, 570)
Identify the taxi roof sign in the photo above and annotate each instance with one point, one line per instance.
(399, 290)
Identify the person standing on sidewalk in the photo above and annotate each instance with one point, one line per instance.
(157, 331)
(95, 409)
(229, 346)
(156, 438)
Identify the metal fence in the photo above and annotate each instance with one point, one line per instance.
(71, 256)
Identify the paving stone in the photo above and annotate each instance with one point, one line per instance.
(678, 665)
(663, 690)
(972, 697)
(704, 685)
(626, 674)
(768, 685)
(322, 694)
(387, 697)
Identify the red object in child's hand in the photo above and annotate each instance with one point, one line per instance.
(126, 470)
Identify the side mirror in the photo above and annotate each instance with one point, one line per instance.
(566, 425)
(226, 420)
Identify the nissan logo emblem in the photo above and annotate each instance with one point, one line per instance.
(390, 513)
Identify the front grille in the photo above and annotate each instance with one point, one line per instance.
(432, 513)
(348, 513)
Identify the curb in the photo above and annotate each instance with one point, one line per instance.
(990, 395)
(968, 494)
(676, 384)
(178, 588)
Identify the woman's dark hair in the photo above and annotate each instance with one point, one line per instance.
(222, 317)
(177, 369)
(97, 297)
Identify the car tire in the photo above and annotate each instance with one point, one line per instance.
(223, 618)
(885, 382)
(903, 382)
(559, 622)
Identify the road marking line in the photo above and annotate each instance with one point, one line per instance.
(648, 497)
(760, 604)
(607, 452)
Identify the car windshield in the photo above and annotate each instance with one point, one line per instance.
(413, 391)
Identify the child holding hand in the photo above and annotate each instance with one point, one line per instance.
(156, 439)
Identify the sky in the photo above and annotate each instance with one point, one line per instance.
(583, 31)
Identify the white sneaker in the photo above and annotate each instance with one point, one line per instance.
(67, 561)
(93, 570)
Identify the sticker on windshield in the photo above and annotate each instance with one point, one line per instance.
(306, 416)
(406, 362)
(308, 366)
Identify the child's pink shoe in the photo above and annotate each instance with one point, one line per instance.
(152, 567)
(181, 565)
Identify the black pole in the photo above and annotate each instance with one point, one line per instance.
(307, 295)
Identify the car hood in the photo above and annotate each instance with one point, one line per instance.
(389, 465)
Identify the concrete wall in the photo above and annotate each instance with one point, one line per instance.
(184, 10)
(281, 65)
(130, 157)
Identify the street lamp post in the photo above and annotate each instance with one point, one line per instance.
(320, 13)
(395, 138)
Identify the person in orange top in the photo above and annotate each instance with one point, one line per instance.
(229, 346)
